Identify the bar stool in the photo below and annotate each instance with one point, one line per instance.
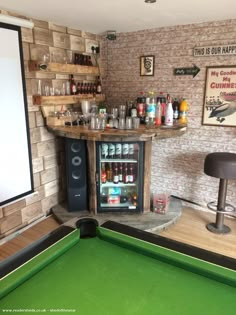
(221, 165)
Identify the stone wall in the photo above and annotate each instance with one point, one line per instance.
(177, 164)
(45, 38)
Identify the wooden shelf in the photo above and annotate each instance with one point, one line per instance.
(65, 99)
(62, 68)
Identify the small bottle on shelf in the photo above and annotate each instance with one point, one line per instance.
(98, 86)
(115, 174)
(126, 174)
(131, 173)
(131, 150)
(120, 173)
(118, 150)
(109, 172)
(103, 174)
(73, 88)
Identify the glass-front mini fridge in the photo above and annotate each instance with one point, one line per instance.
(120, 176)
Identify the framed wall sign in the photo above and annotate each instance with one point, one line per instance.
(219, 104)
(147, 64)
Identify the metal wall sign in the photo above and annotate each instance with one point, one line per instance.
(224, 50)
(187, 71)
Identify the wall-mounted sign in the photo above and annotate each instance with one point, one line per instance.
(224, 50)
(187, 71)
(219, 106)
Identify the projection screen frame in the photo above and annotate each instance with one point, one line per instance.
(30, 189)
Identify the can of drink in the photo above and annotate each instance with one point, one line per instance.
(118, 150)
(104, 150)
(125, 150)
(131, 150)
(111, 150)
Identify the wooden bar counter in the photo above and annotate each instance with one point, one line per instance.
(118, 135)
(147, 135)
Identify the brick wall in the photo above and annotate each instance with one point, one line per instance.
(177, 164)
(47, 151)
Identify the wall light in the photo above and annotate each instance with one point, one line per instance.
(16, 21)
(150, 1)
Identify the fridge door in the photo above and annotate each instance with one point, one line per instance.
(120, 176)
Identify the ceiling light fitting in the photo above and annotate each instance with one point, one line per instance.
(150, 1)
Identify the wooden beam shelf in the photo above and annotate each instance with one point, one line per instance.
(65, 99)
(63, 68)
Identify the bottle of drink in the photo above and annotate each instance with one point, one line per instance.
(141, 107)
(82, 88)
(102, 110)
(115, 174)
(120, 172)
(72, 85)
(133, 110)
(126, 174)
(103, 174)
(151, 109)
(163, 107)
(131, 173)
(158, 113)
(109, 172)
(183, 108)
(169, 114)
(78, 88)
(99, 86)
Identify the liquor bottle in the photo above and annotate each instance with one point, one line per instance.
(126, 174)
(109, 172)
(72, 85)
(99, 86)
(102, 110)
(115, 174)
(151, 109)
(158, 113)
(103, 174)
(94, 88)
(141, 107)
(133, 111)
(120, 173)
(169, 114)
(163, 107)
(85, 88)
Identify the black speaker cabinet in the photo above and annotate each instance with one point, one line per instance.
(76, 173)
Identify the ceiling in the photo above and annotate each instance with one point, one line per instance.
(122, 15)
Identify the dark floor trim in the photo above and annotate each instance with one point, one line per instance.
(193, 251)
(16, 260)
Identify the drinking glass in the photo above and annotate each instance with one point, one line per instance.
(128, 122)
(136, 122)
(121, 123)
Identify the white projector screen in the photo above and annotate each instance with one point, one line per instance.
(16, 179)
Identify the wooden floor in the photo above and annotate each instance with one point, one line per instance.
(190, 228)
(27, 237)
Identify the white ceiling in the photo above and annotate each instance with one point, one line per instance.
(98, 16)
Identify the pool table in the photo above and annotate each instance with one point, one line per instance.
(114, 269)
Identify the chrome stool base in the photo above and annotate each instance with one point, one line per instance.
(224, 229)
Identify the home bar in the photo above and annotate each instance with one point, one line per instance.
(118, 159)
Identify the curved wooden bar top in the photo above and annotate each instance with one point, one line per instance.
(141, 134)
(117, 135)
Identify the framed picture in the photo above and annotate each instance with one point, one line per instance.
(219, 104)
(147, 65)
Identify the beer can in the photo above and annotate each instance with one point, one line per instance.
(104, 150)
(111, 150)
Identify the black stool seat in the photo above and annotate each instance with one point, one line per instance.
(221, 165)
